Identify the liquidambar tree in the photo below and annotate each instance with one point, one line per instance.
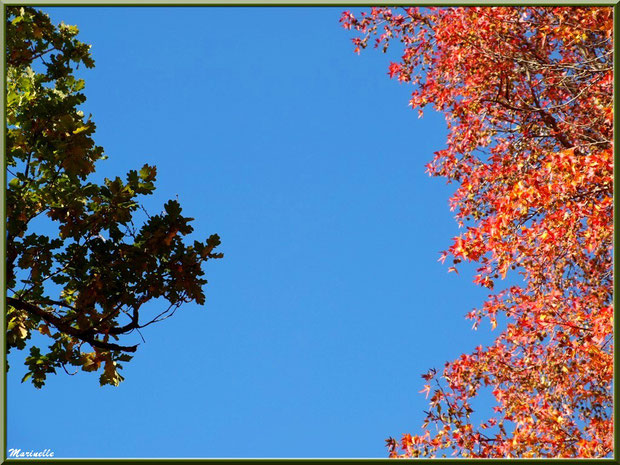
(83, 277)
(527, 95)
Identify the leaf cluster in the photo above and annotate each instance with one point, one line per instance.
(527, 93)
(79, 271)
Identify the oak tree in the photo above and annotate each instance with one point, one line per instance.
(79, 271)
(527, 96)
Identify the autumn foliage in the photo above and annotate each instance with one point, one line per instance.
(82, 272)
(527, 95)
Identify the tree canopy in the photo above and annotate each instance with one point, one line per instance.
(79, 271)
(527, 95)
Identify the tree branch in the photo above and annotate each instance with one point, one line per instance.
(67, 329)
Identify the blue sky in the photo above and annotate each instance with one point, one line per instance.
(330, 302)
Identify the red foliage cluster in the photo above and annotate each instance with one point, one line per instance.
(527, 94)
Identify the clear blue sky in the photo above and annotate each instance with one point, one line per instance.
(330, 302)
